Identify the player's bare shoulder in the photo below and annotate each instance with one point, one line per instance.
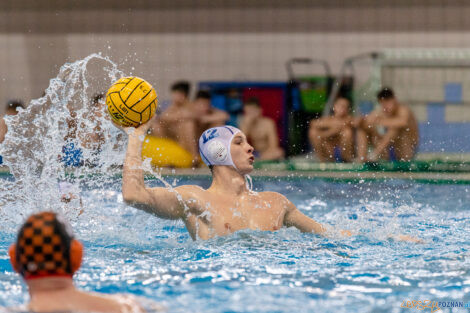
(190, 191)
(275, 198)
(193, 197)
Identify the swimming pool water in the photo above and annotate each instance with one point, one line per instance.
(131, 251)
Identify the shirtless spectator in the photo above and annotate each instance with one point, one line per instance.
(392, 130)
(178, 122)
(260, 131)
(332, 137)
(206, 115)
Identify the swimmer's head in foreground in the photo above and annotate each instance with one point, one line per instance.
(46, 247)
(47, 255)
(226, 146)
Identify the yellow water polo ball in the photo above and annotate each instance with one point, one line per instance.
(131, 101)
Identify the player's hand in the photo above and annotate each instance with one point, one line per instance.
(345, 233)
(141, 129)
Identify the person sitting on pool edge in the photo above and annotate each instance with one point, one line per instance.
(177, 122)
(392, 129)
(228, 205)
(261, 131)
(47, 255)
(332, 137)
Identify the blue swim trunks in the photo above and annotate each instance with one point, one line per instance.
(1, 160)
(391, 154)
(337, 154)
(71, 155)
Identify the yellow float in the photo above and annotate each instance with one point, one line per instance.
(165, 152)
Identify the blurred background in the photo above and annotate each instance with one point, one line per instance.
(416, 46)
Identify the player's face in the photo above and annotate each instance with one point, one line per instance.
(341, 108)
(242, 153)
(388, 106)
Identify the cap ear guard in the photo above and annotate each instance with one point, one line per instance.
(76, 255)
(217, 151)
(12, 254)
(214, 145)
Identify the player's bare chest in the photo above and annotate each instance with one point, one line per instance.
(253, 213)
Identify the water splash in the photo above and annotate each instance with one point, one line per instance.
(65, 114)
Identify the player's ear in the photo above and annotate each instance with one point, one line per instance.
(12, 254)
(76, 255)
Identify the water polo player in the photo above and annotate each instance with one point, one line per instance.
(228, 205)
(47, 255)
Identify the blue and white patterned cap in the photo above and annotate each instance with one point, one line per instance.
(214, 145)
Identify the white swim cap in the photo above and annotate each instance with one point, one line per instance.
(214, 145)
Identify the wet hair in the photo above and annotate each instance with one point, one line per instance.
(181, 86)
(43, 246)
(253, 101)
(203, 94)
(385, 94)
(14, 104)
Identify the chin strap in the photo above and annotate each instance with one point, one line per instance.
(249, 182)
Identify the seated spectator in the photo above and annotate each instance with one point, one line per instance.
(47, 255)
(177, 122)
(332, 137)
(206, 115)
(11, 109)
(260, 131)
(392, 130)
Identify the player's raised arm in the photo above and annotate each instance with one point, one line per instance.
(159, 201)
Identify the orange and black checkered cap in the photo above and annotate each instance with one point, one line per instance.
(43, 246)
